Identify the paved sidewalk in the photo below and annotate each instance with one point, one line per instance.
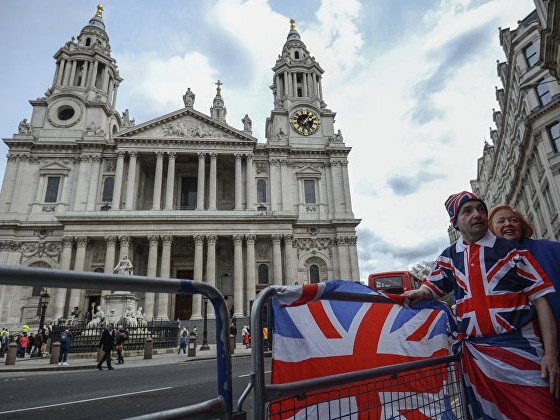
(79, 362)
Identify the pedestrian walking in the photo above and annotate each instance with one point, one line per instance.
(107, 343)
(122, 336)
(233, 332)
(4, 339)
(30, 344)
(65, 338)
(183, 344)
(22, 342)
(37, 344)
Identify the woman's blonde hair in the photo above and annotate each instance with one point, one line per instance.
(526, 226)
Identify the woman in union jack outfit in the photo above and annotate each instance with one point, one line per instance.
(500, 292)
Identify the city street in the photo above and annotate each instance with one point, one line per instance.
(123, 392)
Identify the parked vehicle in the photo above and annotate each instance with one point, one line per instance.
(395, 282)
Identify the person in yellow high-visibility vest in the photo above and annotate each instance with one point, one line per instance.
(25, 328)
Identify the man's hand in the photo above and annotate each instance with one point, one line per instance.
(550, 369)
(417, 295)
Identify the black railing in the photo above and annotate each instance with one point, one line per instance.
(165, 334)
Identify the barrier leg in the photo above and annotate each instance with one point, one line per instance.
(11, 354)
(55, 353)
(148, 348)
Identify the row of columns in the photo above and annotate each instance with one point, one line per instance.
(311, 87)
(170, 183)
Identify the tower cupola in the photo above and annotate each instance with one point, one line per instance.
(218, 110)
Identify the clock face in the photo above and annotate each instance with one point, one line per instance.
(305, 122)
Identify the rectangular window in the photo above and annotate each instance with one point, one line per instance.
(531, 55)
(543, 93)
(188, 193)
(554, 133)
(52, 189)
(309, 191)
(549, 202)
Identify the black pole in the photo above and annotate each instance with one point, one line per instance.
(205, 330)
(42, 322)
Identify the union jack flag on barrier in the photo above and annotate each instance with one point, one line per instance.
(315, 338)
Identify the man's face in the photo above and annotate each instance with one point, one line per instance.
(110, 326)
(472, 221)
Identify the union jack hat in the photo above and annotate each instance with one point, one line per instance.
(455, 201)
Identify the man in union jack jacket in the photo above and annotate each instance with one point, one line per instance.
(506, 332)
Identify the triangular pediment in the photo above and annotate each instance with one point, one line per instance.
(54, 167)
(184, 124)
(308, 171)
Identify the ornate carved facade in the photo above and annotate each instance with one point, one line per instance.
(184, 195)
(522, 165)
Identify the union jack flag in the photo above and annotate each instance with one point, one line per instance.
(493, 282)
(326, 337)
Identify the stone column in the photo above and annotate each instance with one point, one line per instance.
(274, 184)
(304, 78)
(163, 298)
(287, 192)
(60, 72)
(93, 182)
(212, 185)
(238, 298)
(111, 241)
(290, 264)
(200, 182)
(115, 90)
(277, 259)
(198, 269)
(80, 187)
(129, 202)
(353, 251)
(335, 258)
(250, 183)
(251, 282)
(156, 203)
(72, 73)
(118, 181)
(238, 182)
(79, 262)
(170, 182)
(343, 259)
(16, 203)
(8, 183)
(294, 84)
(287, 84)
(84, 74)
(150, 297)
(338, 189)
(211, 267)
(346, 185)
(65, 263)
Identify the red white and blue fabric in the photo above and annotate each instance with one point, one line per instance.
(455, 201)
(493, 283)
(315, 338)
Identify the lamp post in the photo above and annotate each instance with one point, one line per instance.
(44, 300)
(205, 330)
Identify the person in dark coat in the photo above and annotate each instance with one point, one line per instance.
(107, 342)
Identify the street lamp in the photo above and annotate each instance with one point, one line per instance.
(205, 330)
(44, 300)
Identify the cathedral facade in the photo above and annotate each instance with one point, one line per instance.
(184, 195)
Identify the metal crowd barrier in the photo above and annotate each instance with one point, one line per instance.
(220, 407)
(304, 397)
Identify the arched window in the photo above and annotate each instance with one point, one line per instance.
(313, 274)
(108, 186)
(88, 42)
(261, 191)
(296, 55)
(263, 274)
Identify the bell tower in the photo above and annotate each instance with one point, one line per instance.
(300, 115)
(84, 89)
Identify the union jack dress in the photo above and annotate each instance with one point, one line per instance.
(493, 282)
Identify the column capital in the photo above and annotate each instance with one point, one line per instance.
(133, 154)
(211, 239)
(96, 157)
(160, 154)
(276, 239)
(288, 239)
(167, 240)
(213, 156)
(201, 155)
(111, 239)
(249, 156)
(198, 239)
(125, 240)
(120, 154)
(81, 241)
(154, 239)
(238, 239)
(250, 239)
(171, 155)
(238, 156)
(67, 241)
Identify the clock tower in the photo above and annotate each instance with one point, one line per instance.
(300, 116)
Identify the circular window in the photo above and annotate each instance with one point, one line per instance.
(65, 113)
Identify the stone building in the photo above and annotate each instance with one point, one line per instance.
(521, 166)
(184, 195)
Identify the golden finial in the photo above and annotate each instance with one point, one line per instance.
(219, 89)
(292, 24)
(99, 11)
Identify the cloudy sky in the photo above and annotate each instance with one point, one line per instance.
(412, 83)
